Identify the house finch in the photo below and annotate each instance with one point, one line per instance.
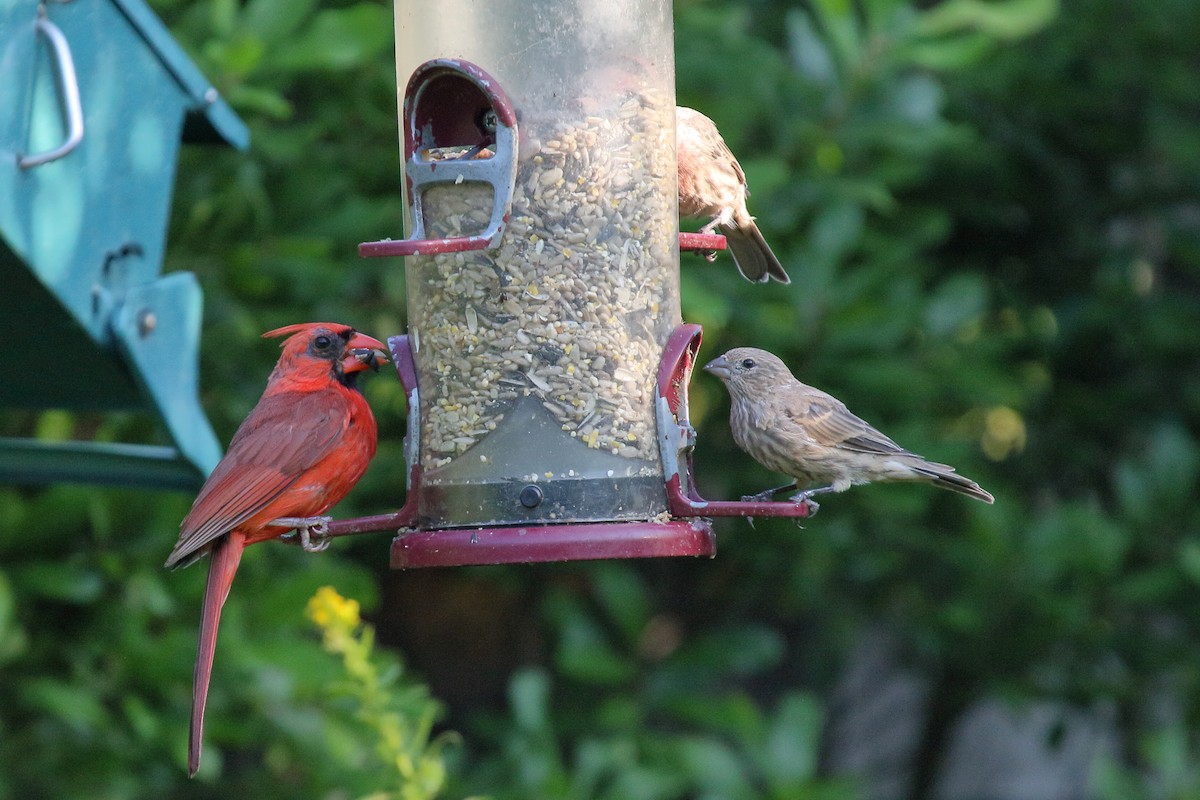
(712, 184)
(811, 436)
(299, 452)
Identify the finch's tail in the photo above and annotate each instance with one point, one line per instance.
(753, 255)
(945, 477)
(225, 557)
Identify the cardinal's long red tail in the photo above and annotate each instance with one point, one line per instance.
(224, 559)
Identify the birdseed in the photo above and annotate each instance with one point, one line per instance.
(575, 305)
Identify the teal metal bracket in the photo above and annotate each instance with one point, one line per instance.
(165, 358)
(32, 462)
(97, 98)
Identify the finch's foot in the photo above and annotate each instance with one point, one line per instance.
(313, 531)
(709, 255)
(709, 227)
(811, 507)
(767, 495)
(804, 499)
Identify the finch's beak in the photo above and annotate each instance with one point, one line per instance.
(363, 352)
(719, 367)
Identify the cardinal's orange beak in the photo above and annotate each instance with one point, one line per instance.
(363, 352)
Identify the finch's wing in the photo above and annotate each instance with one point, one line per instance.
(718, 151)
(728, 156)
(827, 420)
(284, 436)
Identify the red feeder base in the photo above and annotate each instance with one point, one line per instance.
(526, 544)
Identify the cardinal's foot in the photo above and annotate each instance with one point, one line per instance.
(313, 531)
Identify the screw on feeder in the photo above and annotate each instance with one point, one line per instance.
(531, 496)
(488, 120)
(147, 322)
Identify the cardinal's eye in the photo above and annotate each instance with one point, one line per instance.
(322, 342)
(748, 363)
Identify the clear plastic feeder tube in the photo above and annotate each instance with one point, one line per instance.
(536, 360)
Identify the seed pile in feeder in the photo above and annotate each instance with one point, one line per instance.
(574, 306)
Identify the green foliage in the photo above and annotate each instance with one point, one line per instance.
(988, 209)
(669, 714)
(398, 717)
(1165, 768)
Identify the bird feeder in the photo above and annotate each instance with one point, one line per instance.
(546, 363)
(97, 98)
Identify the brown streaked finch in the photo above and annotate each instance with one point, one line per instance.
(712, 184)
(812, 437)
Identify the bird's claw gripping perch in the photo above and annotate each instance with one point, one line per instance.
(811, 507)
(766, 495)
(313, 532)
(709, 255)
(804, 499)
(801, 499)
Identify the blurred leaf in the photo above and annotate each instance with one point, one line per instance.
(585, 654)
(745, 650)
(260, 101)
(810, 56)
(918, 99)
(12, 638)
(63, 581)
(1002, 19)
(339, 39)
(623, 597)
(956, 302)
(1189, 559)
(957, 52)
(793, 743)
(75, 705)
(584, 650)
(529, 695)
(713, 767)
(839, 28)
(276, 20)
(835, 229)
(731, 713)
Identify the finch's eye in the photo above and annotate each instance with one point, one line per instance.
(322, 342)
(748, 363)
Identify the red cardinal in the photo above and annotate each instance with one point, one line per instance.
(302, 448)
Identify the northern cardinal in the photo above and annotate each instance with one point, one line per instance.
(712, 184)
(812, 437)
(299, 452)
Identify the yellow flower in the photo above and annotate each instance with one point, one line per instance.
(329, 609)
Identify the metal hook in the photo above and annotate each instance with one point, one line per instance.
(68, 92)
